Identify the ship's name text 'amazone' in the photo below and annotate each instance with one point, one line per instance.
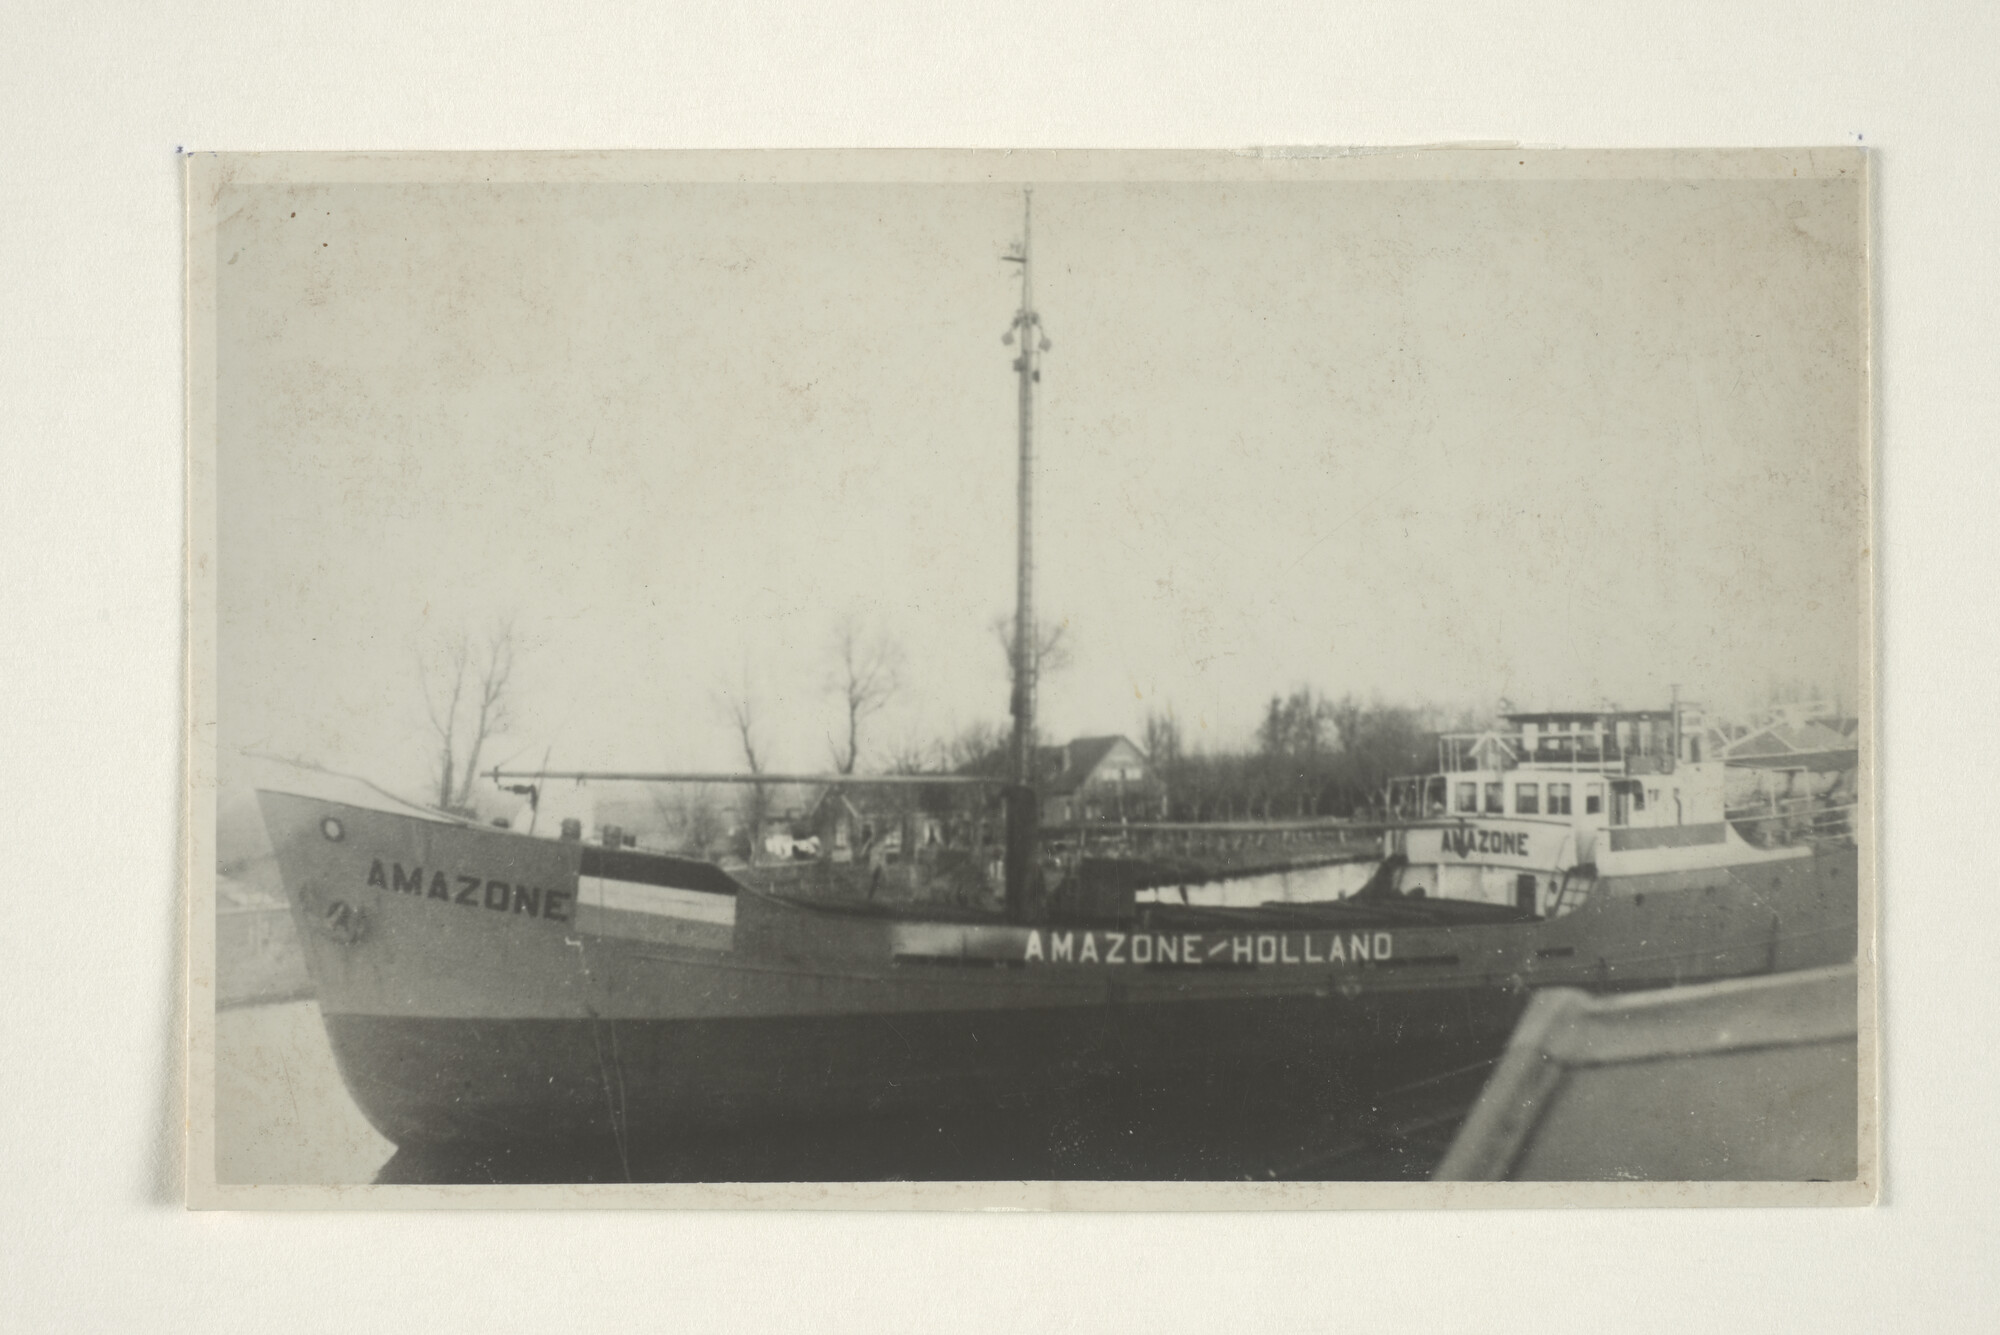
(474, 891)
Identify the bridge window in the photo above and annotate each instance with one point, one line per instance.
(1527, 799)
(1559, 799)
(1468, 797)
(1496, 801)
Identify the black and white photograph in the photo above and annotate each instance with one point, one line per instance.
(1264, 672)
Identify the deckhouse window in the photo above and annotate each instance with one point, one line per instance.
(1593, 798)
(1559, 799)
(1496, 801)
(1527, 799)
(1468, 797)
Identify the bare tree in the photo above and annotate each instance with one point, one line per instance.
(739, 704)
(690, 818)
(705, 829)
(1292, 741)
(1054, 650)
(490, 707)
(743, 715)
(442, 677)
(975, 744)
(867, 672)
(1163, 751)
(466, 699)
(979, 747)
(913, 755)
(1052, 654)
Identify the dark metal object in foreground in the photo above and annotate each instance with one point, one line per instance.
(1747, 1080)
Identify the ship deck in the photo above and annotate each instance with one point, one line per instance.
(1338, 914)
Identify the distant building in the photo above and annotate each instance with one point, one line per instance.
(837, 823)
(1100, 779)
(1815, 744)
(1091, 779)
(860, 821)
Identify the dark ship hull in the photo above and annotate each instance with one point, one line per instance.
(481, 986)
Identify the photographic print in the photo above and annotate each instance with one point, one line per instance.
(1055, 678)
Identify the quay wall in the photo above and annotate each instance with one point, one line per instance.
(258, 959)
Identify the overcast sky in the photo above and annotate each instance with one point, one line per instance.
(1555, 441)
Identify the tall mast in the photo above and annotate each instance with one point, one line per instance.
(1023, 806)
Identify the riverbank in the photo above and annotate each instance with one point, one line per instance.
(282, 1113)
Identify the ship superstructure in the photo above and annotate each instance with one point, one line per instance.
(1536, 810)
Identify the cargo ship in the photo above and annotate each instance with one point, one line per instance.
(480, 985)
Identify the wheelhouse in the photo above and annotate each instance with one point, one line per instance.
(1526, 812)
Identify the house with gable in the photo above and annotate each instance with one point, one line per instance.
(1812, 744)
(1101, 779)
(855, 821)
(1090, 779)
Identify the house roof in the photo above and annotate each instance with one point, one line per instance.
(1586, 715)
(1782, 739)
(1059, 770)
(867, 804)
(1079, 758)
(1049, 762)
(826, 795)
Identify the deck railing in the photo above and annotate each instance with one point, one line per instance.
(1221, 845)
